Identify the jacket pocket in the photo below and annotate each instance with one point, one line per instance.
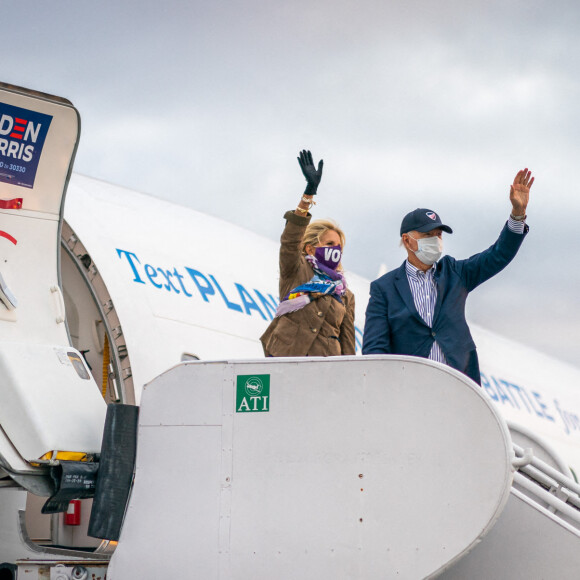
(334, 348)
(282, 341)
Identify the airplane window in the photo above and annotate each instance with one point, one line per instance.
(187, 356)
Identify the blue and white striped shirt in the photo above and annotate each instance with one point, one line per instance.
(424, 291)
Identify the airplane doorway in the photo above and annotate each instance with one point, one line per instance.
(93, 325)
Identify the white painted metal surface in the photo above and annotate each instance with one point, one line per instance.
(49, 400)
(527, 542)
(373, 467)
(29, 255)
(12, 500)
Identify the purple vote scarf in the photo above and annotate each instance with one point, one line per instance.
(325, 281)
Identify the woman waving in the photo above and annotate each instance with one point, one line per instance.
(315, 316)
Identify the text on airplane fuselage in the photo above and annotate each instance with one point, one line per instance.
(507, 393)
(207, 286)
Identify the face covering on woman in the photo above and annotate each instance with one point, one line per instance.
(429, 249)
(329, 256)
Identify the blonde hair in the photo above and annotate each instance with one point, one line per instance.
(316, 229)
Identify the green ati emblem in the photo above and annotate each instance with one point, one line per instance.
(253, 394)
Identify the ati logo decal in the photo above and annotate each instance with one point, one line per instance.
(431, 215)
(253, 394)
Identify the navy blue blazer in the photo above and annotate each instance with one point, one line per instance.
(393, 325)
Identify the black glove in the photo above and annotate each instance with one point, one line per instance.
(313, 175)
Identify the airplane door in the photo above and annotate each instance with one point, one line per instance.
(49, 402)
(39, 135)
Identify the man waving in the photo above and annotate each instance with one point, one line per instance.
(419, 308)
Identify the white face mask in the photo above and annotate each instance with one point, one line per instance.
(429, 249)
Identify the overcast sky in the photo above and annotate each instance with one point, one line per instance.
(410, 103)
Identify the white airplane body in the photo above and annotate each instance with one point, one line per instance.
(165, 283)
(534, 392)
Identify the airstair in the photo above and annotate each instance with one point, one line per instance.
(350, 468)
(338, 468)
(537, 535)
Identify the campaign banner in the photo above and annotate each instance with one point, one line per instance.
(22, 136)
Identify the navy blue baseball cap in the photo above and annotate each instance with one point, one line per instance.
(423, 220)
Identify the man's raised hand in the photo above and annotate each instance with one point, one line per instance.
(520, 192)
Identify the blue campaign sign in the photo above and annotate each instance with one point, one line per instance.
(22, 136)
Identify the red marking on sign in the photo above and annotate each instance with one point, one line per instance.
(8, 237)
(19, 127)
(15, 203)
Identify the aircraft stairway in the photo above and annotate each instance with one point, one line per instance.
(344, 468)
(536, 537)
